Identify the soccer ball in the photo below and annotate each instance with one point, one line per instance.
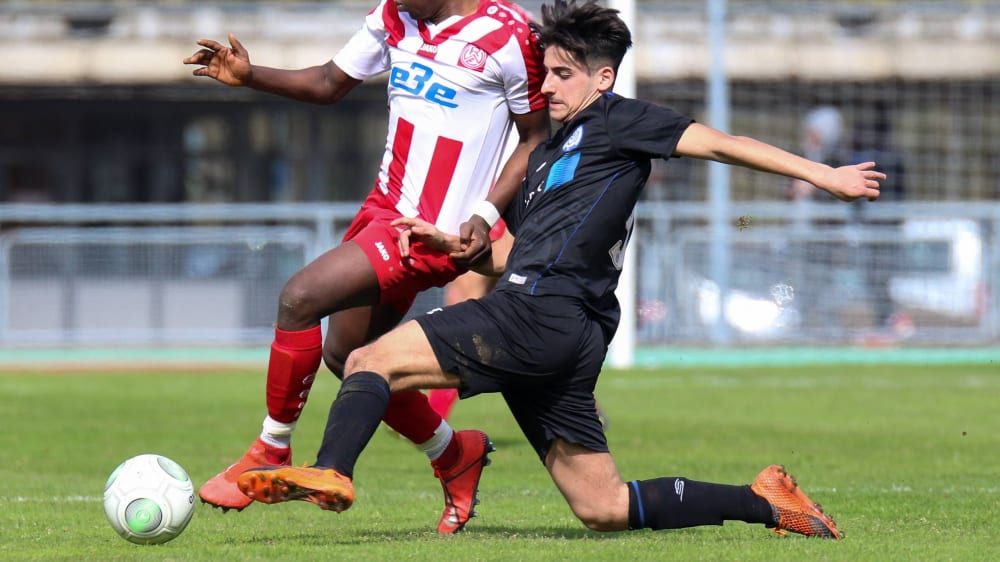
(149, 499)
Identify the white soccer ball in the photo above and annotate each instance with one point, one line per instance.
(149, 499)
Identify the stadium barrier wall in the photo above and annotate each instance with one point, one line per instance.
(922, 274)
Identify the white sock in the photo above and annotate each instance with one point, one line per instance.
(276, 433)
(436, 445)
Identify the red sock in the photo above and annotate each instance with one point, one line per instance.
(295, 358)
(448, 457)
(411, 416)
(442, 399)
(275, 455)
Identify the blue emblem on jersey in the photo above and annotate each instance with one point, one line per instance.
(563, 170)
(574, 140)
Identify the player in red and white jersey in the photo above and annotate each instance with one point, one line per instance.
(451, 90)
(463, 76)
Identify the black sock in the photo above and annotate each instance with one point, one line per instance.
(354, 417)
(675, 503)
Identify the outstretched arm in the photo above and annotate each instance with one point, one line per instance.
(231, 65)
(846, 183)
(413, 229)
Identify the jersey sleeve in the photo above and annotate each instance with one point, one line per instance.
(366, 53)
(523, 82)
(645, 128)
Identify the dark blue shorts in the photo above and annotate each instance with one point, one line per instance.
(542, 353)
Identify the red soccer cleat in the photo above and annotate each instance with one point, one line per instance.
(461, 482)
(221, 490)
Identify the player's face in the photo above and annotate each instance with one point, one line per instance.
(569, 85)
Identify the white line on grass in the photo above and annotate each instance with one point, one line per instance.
(51, 499)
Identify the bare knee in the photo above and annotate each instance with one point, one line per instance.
(359, 360)
(298, 305)
(378, 359)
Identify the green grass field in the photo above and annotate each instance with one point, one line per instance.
(907, 460)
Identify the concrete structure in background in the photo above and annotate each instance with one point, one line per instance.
(143, 42)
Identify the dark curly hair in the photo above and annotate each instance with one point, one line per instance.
(593, 35)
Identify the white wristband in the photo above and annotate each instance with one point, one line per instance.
(488, 211)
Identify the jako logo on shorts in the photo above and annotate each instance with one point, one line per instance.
(382, 251)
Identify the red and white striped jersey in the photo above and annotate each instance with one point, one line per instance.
(452, 88)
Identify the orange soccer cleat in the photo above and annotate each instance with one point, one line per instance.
(793, 510)
(325, 487)
(221, 490)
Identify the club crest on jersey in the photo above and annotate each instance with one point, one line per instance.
(574, 140)
(473, 58)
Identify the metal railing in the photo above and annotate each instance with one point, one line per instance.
(921, 273)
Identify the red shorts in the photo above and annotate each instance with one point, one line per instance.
(399, 281)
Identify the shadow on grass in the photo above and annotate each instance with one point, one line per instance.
(345, 536)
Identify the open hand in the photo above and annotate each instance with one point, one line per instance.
(854, 181)
(229, 65)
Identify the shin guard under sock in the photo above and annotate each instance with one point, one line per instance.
(675, 503)
(411, 415)
(354, 417)
(295, 358)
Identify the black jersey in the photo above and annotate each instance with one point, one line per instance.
(573, 214)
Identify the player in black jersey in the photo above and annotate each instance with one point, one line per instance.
(541, 336)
